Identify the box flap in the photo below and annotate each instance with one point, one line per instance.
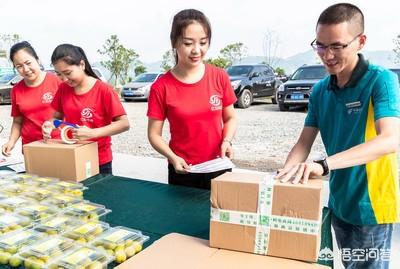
(177, 251)
(56, 143)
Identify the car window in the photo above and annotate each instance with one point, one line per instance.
(317, 72)
(267, 71)
(241, 70)
(5, 78)
(146, 77)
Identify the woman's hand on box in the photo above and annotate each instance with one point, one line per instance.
(47, 127)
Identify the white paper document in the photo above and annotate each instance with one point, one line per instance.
(212, 166)
(4, 161)
(19, 167)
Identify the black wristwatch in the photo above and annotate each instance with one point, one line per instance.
(324, 165)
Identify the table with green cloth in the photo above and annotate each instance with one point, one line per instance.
(158, 209)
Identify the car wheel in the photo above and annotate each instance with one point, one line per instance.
(274, 98)
(283, 107)
(245, 99)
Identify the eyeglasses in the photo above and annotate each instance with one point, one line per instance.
(334, 48)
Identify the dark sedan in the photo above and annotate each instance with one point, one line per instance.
(7, 81)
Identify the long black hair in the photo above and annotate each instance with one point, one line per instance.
(182, 20)
(24, 45)
(72, 55)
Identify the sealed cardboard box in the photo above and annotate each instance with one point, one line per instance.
(255, 213)
(177, 251)
(53, 158)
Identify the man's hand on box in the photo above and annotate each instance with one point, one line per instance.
(300, 173)
(47, 127)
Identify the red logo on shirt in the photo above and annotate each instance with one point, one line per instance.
(47, 98)
(215, 101)
(87, 114)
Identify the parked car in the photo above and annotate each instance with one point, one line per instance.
(297, 90)
(252, 81)
(139, 88)
(7, 81)
(396, 71)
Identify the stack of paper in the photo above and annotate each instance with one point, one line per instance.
(212, 166)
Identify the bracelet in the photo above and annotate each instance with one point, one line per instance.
(227, 140)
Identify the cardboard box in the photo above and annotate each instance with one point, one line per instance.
(177, 251)
(284, 222)
(53, 158)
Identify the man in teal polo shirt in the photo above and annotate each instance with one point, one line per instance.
(356, 109)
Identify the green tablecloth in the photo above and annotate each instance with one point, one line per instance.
(158, 209)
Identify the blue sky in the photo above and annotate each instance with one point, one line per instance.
(145, 25)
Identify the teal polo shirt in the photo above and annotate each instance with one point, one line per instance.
(365, 194)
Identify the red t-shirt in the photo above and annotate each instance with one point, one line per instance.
(94, 109)
(34, 105)
(194, 112)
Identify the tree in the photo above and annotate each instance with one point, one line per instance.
(396, 49)
(140, 69)
(168, 60)
(271, 42)
(6, 41)
(280, 71)
(219, 62)
(120, 59)
(234, 53)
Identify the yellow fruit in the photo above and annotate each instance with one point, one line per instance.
(98, 230)
(51, 232)
(45, 259)
(128, 243)
(89, 238)
(119, 248)
(28, 262)
(138, 247)
(15, 261)
(4, 257)
(96, 265)
(110, 245)
(120, 256)
(110, 252)
(130, 251)
(12, 250)
(81, 240)
(77, 192)
(94, 216)
(101, 248)
(38, 264)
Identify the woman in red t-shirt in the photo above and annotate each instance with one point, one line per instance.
(197, 99)
(83, 99)
(30, 98)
